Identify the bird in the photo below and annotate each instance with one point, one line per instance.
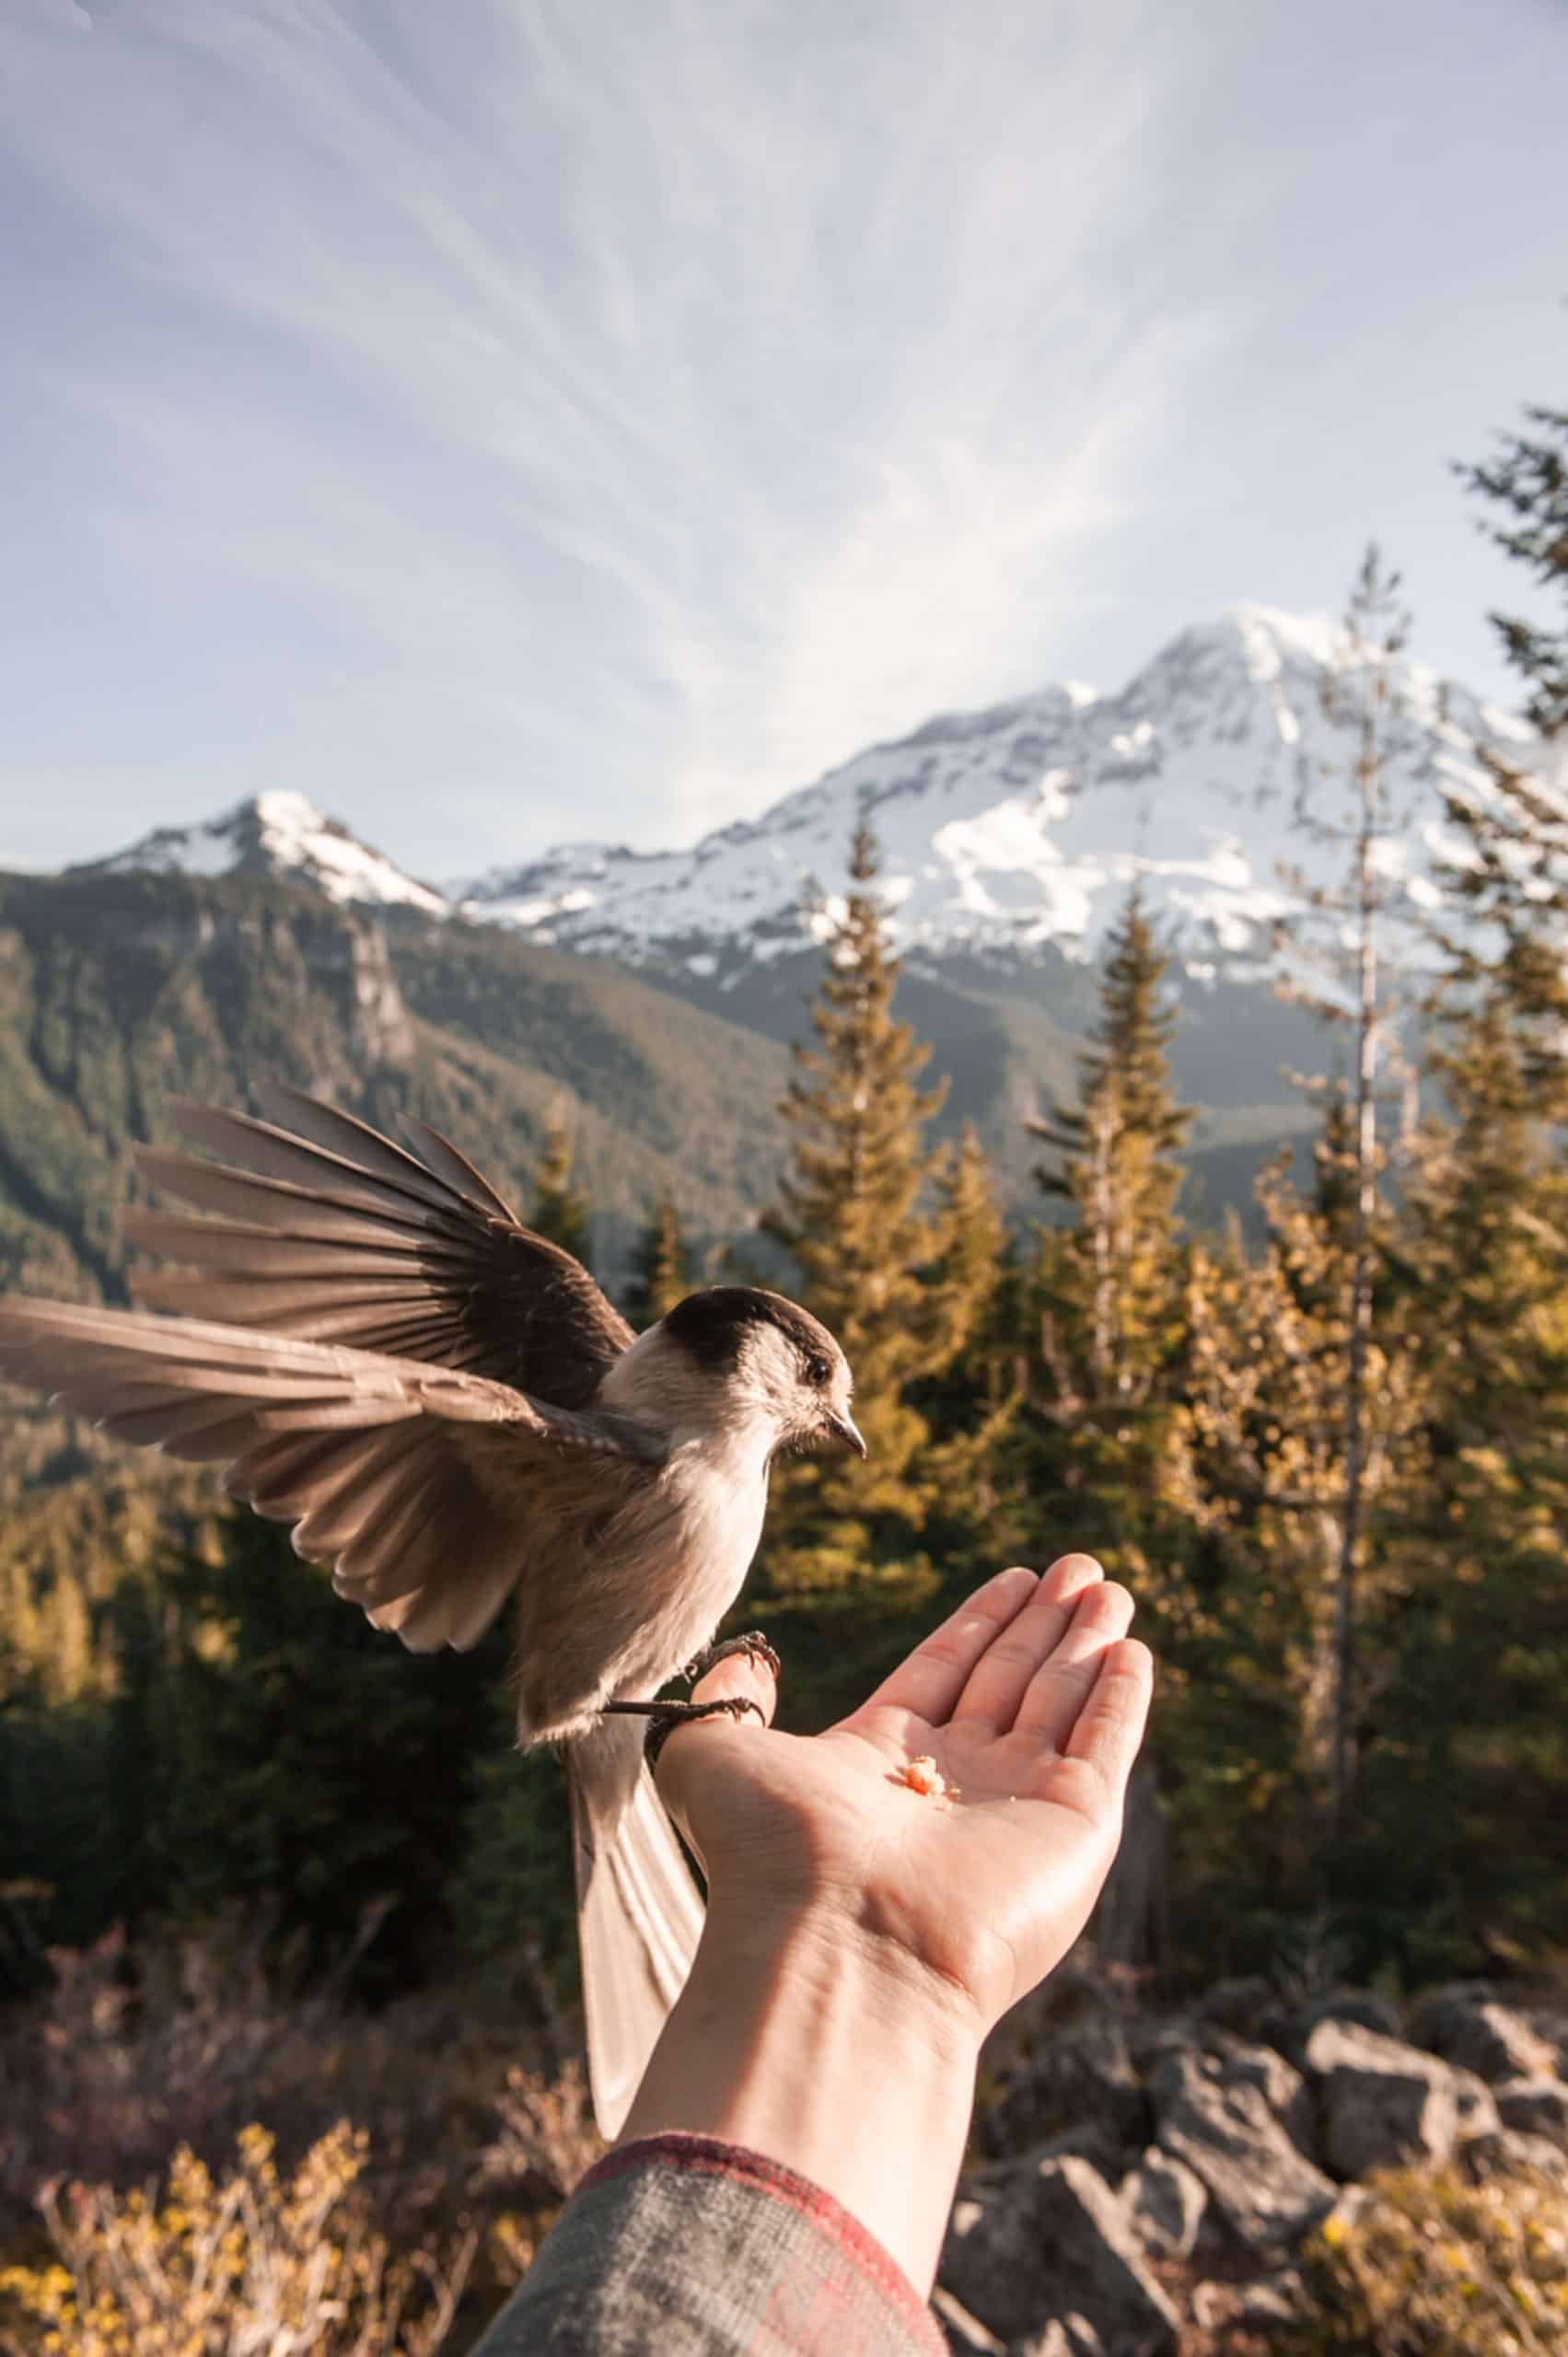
(452, 1415)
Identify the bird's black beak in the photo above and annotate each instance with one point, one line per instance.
(842, 1431)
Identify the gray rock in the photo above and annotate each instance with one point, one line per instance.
(1238, 2004)
(1550, 2024)
(1080, 2075)
(1072, 2336)
(1214, 2113)
(965, 2335)
(1051, 2242)
(1272, 2300)
(1510, 2153)
(1166, 2203)
(1291, 2029)
(1465, 2024)
(1282, 2087)
(1536, 2107)
(1384, 2105)
(1213, 2306)
(1477, 2104)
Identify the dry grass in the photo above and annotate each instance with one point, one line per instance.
(247, 2261)
(1434, 2265)
(133, 2084)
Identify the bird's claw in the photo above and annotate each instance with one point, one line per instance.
(665, 1717)
(752, 1646)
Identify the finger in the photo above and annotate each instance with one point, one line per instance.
(930, 1680)
(1000, 1679)
(1110, 1725)
(1061, 1684)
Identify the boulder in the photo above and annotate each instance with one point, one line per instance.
(1384, 2103)
(1272, 2300)
(1551, 2026)
(1076, 2077)
(965, 2335)
(1216, 2111)
(1465, 2024)
(1166, 2203)
(1536, 2107)
(1063, 2336)
(1509, 2152)
(1238, 2004)
(1290, 2028)
(1281, 2086)
(1050, 2242)
(1477, 2104)
(1260, 2306)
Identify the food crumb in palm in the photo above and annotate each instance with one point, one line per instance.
(923, 1775)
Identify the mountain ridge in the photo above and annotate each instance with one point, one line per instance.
(1007, 832)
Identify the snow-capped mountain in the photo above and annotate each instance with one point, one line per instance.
(1004, 829)
(1001, 833)
(278, 834)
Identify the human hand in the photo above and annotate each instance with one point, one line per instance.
(861, 1936)
(1031, 1700)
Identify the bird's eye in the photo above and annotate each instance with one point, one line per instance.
(818, 1370)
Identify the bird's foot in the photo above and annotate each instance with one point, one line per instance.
(752, 1646)
(665, 1717)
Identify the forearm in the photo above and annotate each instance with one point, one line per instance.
(823, 2049)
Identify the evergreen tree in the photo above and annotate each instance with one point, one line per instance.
(1527, 486)
(311, 1766)
(558, 1211)
(1258, 1473)
(1340, 967)
(661, 1268)
(848, 1216)
(969, 1403)
(1111, 1283)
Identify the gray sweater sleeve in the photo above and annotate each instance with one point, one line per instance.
(684, 2246)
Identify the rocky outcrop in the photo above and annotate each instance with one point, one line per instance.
(1165, 2201)
(1225, 2154)
(1467, 2024)
(1222, 2113)
(1384, 2105)
(1054, 2242)
(1536, 2107)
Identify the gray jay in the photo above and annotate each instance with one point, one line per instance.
(450, 1413)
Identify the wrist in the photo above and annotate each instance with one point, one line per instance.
(824, 2045)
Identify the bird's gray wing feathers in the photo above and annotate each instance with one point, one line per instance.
(417, 1484)
(327, 1231)
(639, 1915)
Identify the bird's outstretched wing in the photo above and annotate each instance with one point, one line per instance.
(418, 1485)
(329, 1232)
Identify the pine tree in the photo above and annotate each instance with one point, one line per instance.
(1527, 486)
(558, 1210)
(848, 1217)
(1111, 1283)
(1338, 946)
(969, 1403)
(661, 1267)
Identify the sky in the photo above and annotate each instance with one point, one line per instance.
(513, 421)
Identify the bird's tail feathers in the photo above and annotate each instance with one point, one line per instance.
(639, 1915)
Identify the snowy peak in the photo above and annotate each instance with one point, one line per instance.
(1008, 829)
(278, 834)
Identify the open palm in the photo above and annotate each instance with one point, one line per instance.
(1031, 1701)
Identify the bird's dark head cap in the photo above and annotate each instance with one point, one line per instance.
(712, 1325)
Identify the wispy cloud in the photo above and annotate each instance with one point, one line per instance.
(598, 413)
